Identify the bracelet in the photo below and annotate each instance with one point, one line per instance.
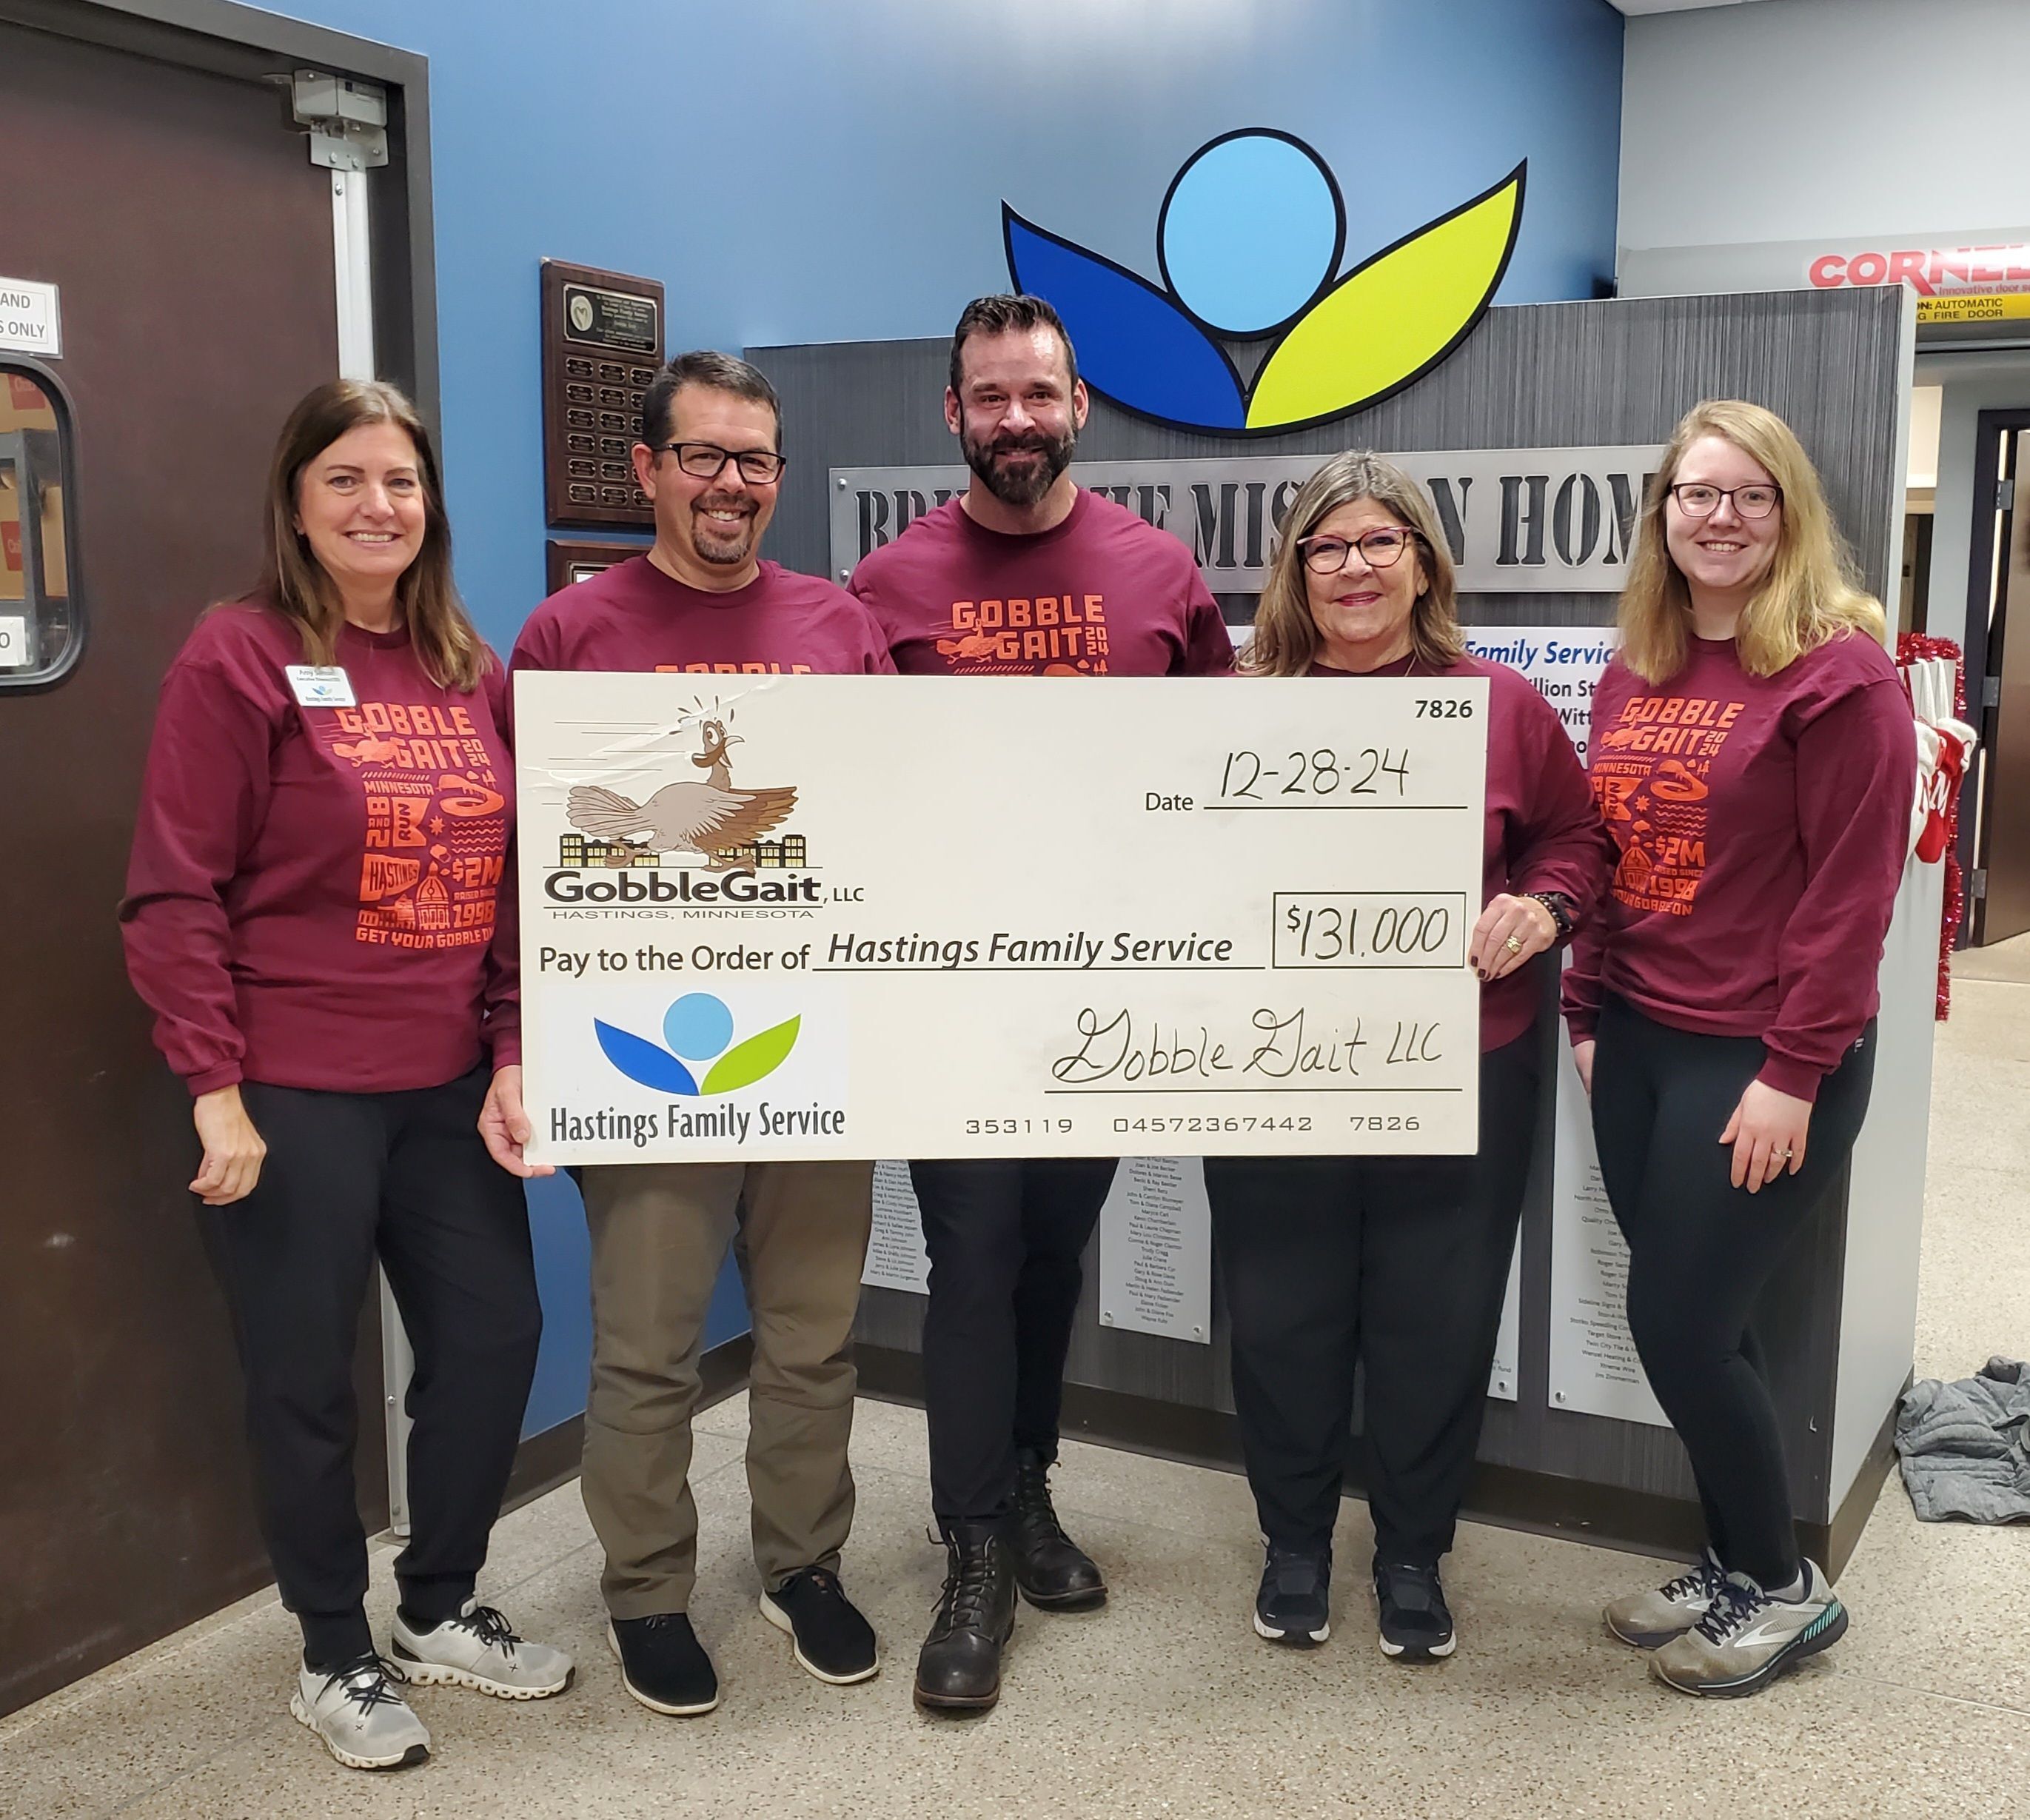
(1560, 908)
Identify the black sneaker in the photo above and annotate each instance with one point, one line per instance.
(1294, 1605)
(663, 1664)
(1416, 1627)
(832, 1640)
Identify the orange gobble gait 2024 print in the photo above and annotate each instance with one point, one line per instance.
(436, 828)
(1650, 777)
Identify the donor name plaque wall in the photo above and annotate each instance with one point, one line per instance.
(1518, 520)
(785, 916)
(602, 342)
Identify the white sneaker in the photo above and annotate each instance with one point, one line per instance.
(363, 1721)
(1647, 1620)
(1748, 1639)
(479, 1649)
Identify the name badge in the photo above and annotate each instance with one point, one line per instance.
(322, 686)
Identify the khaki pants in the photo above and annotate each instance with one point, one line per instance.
(659, 1232)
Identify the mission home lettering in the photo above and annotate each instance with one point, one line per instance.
(1518, 520)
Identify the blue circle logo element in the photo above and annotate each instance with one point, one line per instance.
(1251, 231)
(697, 1026)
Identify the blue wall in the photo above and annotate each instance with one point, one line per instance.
(832, 170)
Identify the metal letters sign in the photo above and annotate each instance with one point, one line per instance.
(1518, 520)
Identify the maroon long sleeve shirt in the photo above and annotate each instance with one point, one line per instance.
(1542, 832)
(1762, 824)
(1101, 593)
(312, 892)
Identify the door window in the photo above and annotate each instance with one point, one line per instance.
(42, 623)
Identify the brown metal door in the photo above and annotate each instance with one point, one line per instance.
(192, 241)
(2004, 908)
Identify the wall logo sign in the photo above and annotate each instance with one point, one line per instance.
(1249, 241)
(698, 1029)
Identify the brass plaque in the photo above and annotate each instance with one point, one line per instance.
(602, 343)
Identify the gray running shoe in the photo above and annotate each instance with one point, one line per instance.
(479, 1649)
(1649, 1619)
(364, 1722)
(1748, 1639)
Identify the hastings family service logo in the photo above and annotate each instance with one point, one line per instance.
(1249, 241)
(698, 1031)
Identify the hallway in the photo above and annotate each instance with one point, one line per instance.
(1165, 1702)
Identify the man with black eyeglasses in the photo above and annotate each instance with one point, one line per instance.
(701, 600)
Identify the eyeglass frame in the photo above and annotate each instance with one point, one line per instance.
(1410, 533)
(1727, 493)
(736, 456)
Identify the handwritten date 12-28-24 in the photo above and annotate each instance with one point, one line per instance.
(1373, 771)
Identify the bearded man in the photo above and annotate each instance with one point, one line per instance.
(1024, 574)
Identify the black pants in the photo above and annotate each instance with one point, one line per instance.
(1005, 1238)
(348, 1177)
(1700, 1250)
(1398, 1263)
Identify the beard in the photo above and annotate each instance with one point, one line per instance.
(1023, 481)
(723, 546)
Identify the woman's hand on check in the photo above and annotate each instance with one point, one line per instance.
(1510, 930)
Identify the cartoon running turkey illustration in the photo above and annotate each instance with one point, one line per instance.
(709, 818)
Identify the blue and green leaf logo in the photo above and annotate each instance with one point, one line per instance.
(698, 1029)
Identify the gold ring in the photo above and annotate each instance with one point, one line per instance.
(1514, 944)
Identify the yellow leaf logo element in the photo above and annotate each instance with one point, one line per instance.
(1393, 319)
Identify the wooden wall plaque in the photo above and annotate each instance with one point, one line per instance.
(602, 342)
(570, 558)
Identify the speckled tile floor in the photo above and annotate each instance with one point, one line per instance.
(1164, 1703)
(2008, 960)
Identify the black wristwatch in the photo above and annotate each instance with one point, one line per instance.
(1563, 912)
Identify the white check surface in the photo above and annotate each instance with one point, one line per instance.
(1000, 917)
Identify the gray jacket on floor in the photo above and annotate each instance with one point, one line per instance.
(1965, 1446)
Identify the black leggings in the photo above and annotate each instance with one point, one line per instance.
(1398, 1263)
(1700, 1250)
(348, 1177)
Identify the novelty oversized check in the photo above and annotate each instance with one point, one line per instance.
(794, 917)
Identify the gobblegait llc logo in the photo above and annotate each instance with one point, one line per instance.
(1249, 241)
(697, 1055)
(736, 832)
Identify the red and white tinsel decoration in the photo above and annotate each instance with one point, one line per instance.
(1941, 834)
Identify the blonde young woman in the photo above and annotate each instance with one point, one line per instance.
(310, 903)
(1396, 1263)
(1753, 756)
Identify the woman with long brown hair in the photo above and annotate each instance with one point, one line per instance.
(1398, 1263)
(311, 898)
(1754, 757)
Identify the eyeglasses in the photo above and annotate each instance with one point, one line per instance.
(1379, 549)
(1696, 499)
(707, 461)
